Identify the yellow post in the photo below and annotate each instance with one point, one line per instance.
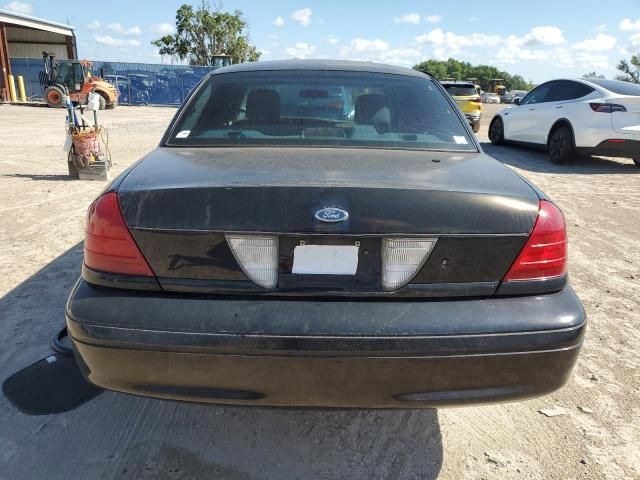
(23, 95)
(12, 89)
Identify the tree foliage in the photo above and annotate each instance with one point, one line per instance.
(593, 75)
(630, 69)
(458, 70)
(202, 32)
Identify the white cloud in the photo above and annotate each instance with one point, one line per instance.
(303, 16)
(109, 41)
(508, 50)
(279, 21)
(118, 28)
(600, 43)
(301, 50)
(627, 25)
(363, 45)
(408, 18)
(433, 18)
(544, 35)
(449, 41)
(474, 19)
(94, 25)
(635, 40)
(602, 28)
(163, 28)
(19, 7)
(332, 40)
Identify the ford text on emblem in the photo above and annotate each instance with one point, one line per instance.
(331, 215)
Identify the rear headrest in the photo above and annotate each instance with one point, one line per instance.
(369, 106)
(263, 105)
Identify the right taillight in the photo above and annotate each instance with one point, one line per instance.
(108, 245)
(607, 107)
(545, 253)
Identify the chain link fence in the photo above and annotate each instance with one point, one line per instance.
(137, 83)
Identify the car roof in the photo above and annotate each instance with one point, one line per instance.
(328, 65)
(460, 83)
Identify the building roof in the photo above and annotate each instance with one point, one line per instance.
(27, 21)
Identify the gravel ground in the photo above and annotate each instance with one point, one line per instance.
(117, 436)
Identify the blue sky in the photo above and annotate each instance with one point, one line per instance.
(541, 40)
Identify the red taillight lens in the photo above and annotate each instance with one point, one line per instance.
(607, 107)
(476, 100)
(108, 245)
(545, 253)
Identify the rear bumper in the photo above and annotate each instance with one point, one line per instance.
(608, 148)
(373, 354)
(473, 116)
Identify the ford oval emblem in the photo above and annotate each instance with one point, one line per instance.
(331, 215)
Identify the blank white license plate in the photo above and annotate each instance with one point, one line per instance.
(325, 259)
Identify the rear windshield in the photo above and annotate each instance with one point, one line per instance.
(617, 86)
(460, 90)
(329, 108)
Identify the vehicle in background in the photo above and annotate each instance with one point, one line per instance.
(75, 78)
(468, 99)
(570, 117)
(497, 86)
(509, 96)
(278, 249)
(489, 97)
(128, 94)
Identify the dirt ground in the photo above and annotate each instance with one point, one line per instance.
(117, 436)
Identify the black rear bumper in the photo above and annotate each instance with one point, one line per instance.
(625, 149)
(338, 353)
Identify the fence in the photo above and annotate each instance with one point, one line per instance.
(137, 83)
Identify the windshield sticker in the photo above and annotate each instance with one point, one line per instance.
(183, 134)
(460, 140)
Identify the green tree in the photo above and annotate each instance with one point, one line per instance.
(630, 69)
(593, 75)
(202, 32)
(458, 70)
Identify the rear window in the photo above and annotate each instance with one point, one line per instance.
(460, 90)
(332, 108)
(618, 86)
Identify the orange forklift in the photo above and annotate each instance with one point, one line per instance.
(76, 78)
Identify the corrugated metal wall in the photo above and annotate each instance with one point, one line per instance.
(25, 42)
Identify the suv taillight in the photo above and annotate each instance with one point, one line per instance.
(545, 253)
(108, 245)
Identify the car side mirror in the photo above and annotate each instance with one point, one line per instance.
(516, 101)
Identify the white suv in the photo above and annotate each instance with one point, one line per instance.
(569, 117)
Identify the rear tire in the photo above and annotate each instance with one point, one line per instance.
(103, 102)
(636, 161)
(54, 96)
(561, 146)
(496, 131)
(475, 126)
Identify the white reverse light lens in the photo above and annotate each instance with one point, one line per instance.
(258, 257)
(402, 258)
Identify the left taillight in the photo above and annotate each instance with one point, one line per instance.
(544, 255)
(108, 245)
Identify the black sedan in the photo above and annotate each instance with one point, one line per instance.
(318, 233)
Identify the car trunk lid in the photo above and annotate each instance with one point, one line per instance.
(180, 203)
(626, 122)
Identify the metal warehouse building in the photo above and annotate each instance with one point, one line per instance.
(25, 36)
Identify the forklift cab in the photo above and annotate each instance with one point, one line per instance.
(221, 60)
(71, 75)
